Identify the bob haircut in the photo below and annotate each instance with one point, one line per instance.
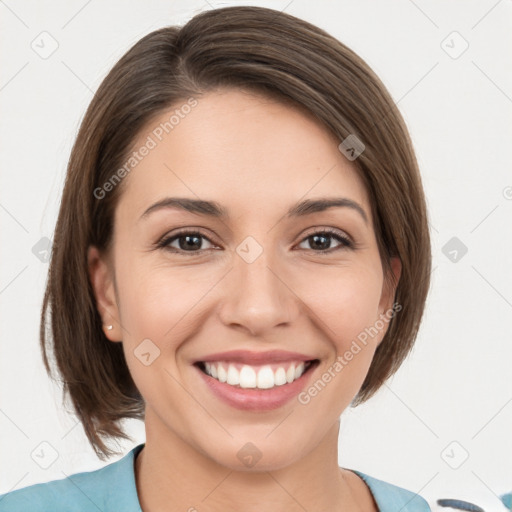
(260, 50)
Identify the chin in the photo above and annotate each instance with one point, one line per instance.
(259, 455)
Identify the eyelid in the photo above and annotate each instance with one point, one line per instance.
(346, 240)
(331, 231)
(343, 238)
(164, 241)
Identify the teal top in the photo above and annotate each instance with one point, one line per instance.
(112, 489)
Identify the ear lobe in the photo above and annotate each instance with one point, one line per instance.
(102, 283)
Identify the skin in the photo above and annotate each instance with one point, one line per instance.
(256, 157)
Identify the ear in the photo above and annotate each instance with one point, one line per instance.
(102, 281)
(390, 284)
(388, 293)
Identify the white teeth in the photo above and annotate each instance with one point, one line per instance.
(299, 370)
(265, 378)
(280, 377)
(290, 374)
(233, 376)
(247, 377)
(222, 376)
(262, 377)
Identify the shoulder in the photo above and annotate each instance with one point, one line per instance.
(391, 498)
(107, 489)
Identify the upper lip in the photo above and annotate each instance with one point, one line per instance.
(248, 357)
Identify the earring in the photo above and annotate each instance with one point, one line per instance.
(109, 327)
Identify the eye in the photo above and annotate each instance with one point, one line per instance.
(187, 242)
(190, 242)
(321, 240)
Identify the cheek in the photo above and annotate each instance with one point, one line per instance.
(348, 311)
(156, 308)
(155, 297)
(346, 300)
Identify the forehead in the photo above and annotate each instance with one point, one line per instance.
(246, 151)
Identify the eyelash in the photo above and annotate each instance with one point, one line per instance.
(345, 242)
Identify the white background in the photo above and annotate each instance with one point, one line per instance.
(455, 386)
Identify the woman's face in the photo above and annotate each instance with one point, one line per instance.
(249, 291)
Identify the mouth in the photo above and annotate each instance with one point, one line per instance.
(246, 376)
(256, 382)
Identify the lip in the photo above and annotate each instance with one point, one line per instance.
(253, 399)
(256, 358)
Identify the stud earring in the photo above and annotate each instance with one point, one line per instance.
(109, 327)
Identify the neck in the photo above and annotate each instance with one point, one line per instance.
(171, 475)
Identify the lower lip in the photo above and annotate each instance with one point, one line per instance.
(254, 399)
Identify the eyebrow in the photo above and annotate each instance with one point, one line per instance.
(214, 209)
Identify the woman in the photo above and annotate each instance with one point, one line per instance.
(241, 253)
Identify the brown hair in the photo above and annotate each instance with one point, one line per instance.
(258, 49)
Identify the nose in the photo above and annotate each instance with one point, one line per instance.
(258, 297)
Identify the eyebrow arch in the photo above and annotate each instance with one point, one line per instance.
(319, 205)
(214, 209)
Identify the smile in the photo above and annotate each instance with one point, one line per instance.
(255, 381)
(251, 376)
